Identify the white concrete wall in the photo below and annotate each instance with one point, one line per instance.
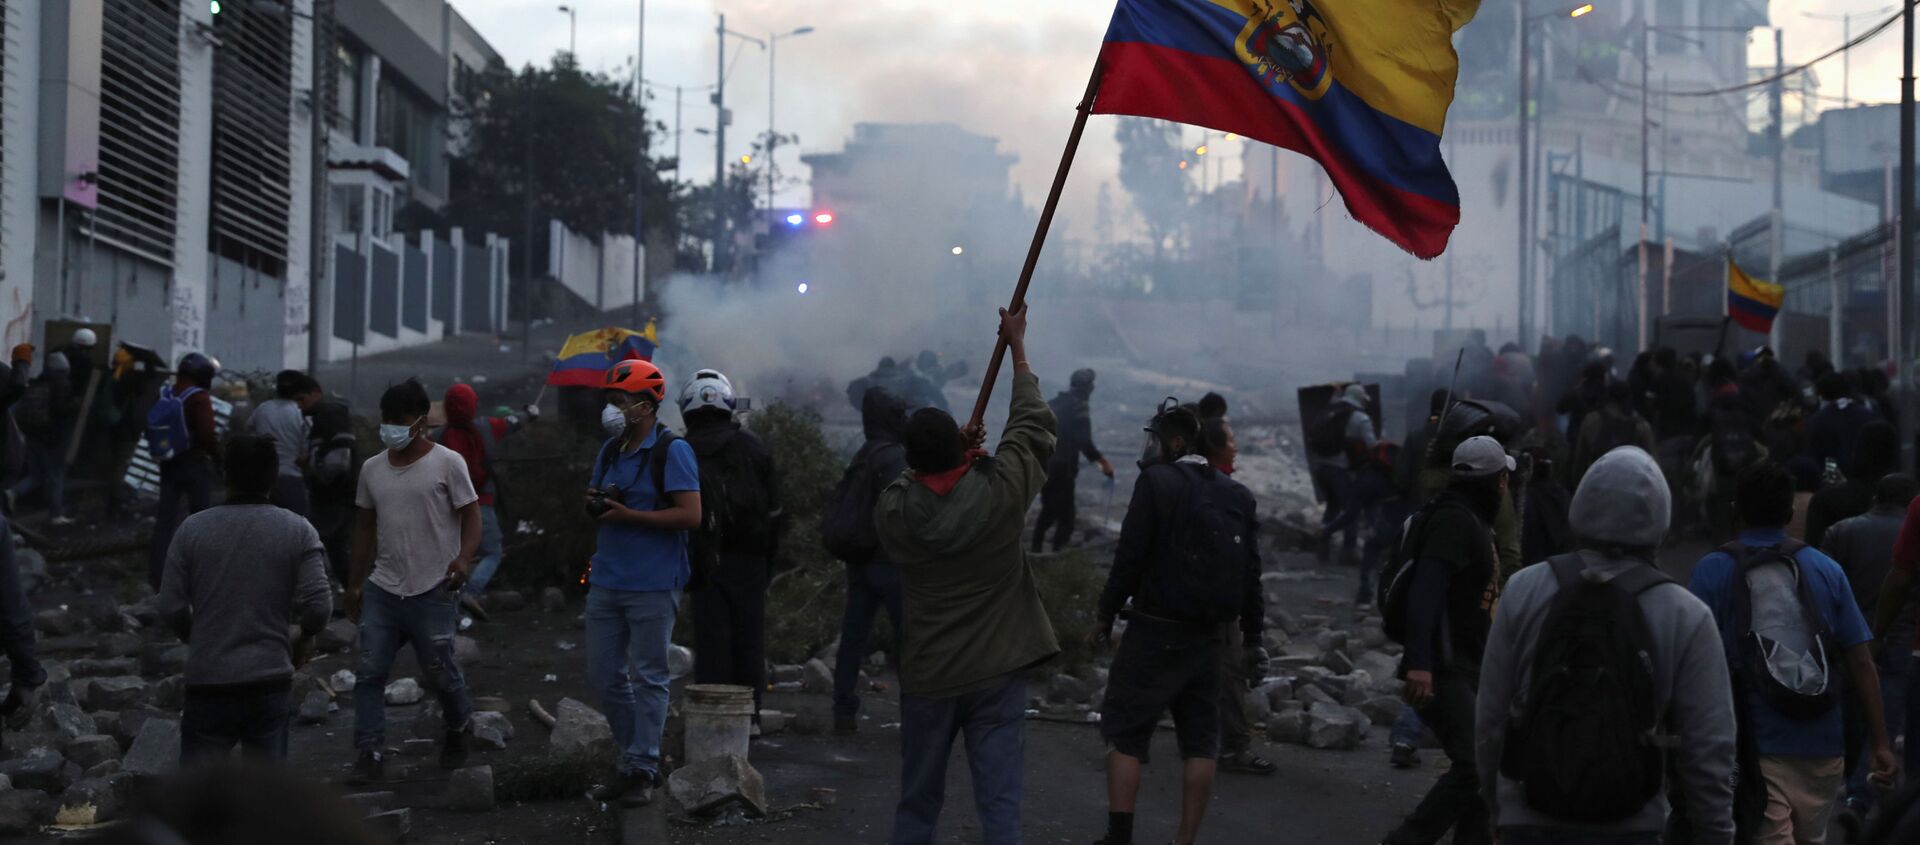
(187, 301)
(299, 281)
(19, 124)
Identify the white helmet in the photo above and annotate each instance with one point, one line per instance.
(84, 338)
(708, 389)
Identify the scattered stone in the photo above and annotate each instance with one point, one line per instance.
(92, 750)
(88, 802)
(492, 729)
(679, 661)
(56, 622)
(1332, 641)
(1378, 664)
(773, 722)
(506, 601)
(1279, 618)
(470, 790)
(339, 635)
(39, 768)
(715, 784)
(818, 676)
(92, 667)
(314, 709)
(1277, 691)
(491, 704)
(171, 693)
(105, 769)
(392, 825)
(369, 803)
(552, 600)
(118, 645)
(116, 693)
(1289, 728)
(126, 726)
(24, 811)
(404, 691)
(788, 673)
(1067, 689)
(65, 719)
(163, 659)
(1383, 710)
(1332, 726)
(156, 751)
(1256, 705)
(578, 729)
(429, 722)
(1311, 694)
(343, 682)
(1338, 662)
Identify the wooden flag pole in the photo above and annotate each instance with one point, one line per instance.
(1039, 238)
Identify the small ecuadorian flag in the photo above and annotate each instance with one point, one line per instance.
(1750, 302)
(586, 357)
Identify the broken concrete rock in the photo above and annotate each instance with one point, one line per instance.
(786, 673)
(405, 691)
(1290, 728)
(470, 790)
(93, 667)
(171, 693)
(92, 750)
(552, 600)
(492, 729)
(578, 729)
(712, 785)
(65, 719)
(1333, 726)
(314, 709)
(429, 722)
(392, 825)
(1381, 710)
(1312, 694)
(679, 661)
(24, 811)
(88, 802)
(156, 751)
(343, 682)
(1337, 662)
(818, 676)
(339, 635)
(39, 768)
(116, 693)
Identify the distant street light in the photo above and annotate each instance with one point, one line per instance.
(746, 159)
(1200, 150)
(1580, 11)
(958, 250)
(573, 30)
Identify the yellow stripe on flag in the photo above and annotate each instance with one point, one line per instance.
(1742, 285)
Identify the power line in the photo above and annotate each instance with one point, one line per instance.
(1769, 79)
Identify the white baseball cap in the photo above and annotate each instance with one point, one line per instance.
(1478, 457)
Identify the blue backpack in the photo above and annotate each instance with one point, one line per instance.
(167, 434)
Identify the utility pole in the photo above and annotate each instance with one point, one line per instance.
(720, 145)
(1646, 164)
(1902, 348)
(320, 249)
(1525, 323)
(640, 168)
(1778, 134)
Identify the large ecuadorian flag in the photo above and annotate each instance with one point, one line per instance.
(1362, 86)
(586, 357)
(1750, 302)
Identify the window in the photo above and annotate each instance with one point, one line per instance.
(252, 162)
(344, 209)
(139, 128)
(408, 125)
(382, 214)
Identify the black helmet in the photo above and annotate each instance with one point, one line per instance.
(1081, 378)
(199, 368)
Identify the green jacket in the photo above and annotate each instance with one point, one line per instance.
(973, 610)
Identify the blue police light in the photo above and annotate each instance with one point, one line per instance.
(796, 219)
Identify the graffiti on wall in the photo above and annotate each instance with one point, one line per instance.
(188, 321)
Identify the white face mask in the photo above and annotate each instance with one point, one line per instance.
(613, 420)
(396, 437)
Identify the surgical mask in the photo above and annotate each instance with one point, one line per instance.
(396, 437)
(613, 420)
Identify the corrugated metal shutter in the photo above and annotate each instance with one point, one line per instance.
(139, 127)
(252, 171)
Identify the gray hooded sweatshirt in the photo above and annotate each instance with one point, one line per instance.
(1621, 503)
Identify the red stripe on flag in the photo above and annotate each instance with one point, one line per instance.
(1152, 81)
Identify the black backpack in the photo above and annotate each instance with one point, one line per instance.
(1396, 576)
(1327, 436)
(1616, 430)
(1203, 576)
(1735, 446)
(736, 509)
(1587, 747)
(1812, 697)
(846, 529)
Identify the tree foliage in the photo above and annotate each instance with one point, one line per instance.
(1150, 156)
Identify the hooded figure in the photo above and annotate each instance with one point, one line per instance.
(873, 585)
(1620, 514)
(476, 439)
(1075, 418)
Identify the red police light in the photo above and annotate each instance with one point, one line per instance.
(824, 218)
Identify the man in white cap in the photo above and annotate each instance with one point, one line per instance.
(1451, 587)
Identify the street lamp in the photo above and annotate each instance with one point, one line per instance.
(773, 139)
(1525, 239)
(573, 31)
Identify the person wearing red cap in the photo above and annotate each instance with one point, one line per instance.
(476, 439)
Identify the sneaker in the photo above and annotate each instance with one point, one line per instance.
(1404, 756)
(1246, 763)
(453, 752)
(19, 705)
(369, 767)
(845, 725)
(60, 521)
(632, 789)
(471, 604)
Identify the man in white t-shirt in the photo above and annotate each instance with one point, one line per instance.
(413, 547)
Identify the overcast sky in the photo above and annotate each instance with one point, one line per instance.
(1007, 68)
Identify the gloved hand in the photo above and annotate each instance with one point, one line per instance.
(1256, 659)
(533, 411)
(22, 353)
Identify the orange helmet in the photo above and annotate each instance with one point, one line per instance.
(638, 377)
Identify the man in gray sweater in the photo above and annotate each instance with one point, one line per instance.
(235, 575)
(1620, 513)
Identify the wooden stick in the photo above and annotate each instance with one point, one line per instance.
(1039, 238)
(86, 410)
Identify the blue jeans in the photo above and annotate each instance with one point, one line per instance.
(871, 588)
(1894, 665)
(1332, 483)
(186, 480)
(212, 723)
(1408, 728)
(1562, 836)
(16, 617)
(1358, 500)
(486, 562)
(627, 637)
(994, 722)
(388, 622)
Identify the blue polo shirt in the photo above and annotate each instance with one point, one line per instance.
(1776, 733)
(632, 557)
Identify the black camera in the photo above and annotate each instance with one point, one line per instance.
(597, 505)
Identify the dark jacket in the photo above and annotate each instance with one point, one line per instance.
(1076, 439)
(1146, 552)
(720, 443)
(973, 611)
(883, 418)
(1833, 431)
(1455, 584)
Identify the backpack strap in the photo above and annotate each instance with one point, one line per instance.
(657, 463)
